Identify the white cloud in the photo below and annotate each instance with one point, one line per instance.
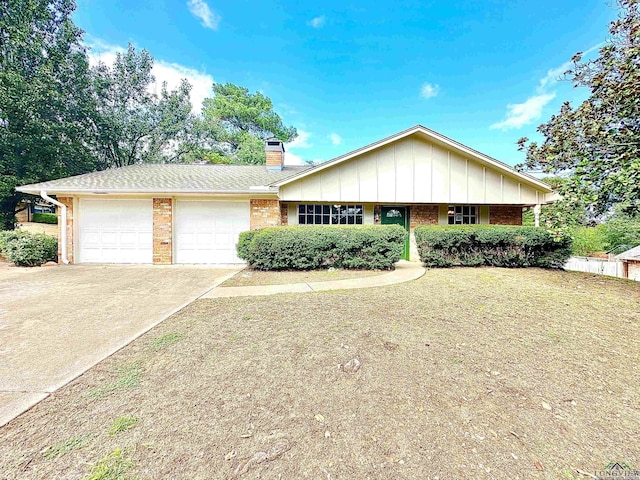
(335, 138)
(101, 51)
(520, 114)
(429, 90)
(553, 75)
(317, 22)
(301, 141)
(208, 18)
(293, 159)
(171, 73)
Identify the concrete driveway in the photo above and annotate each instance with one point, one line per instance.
(57, 322)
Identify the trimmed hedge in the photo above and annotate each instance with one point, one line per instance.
(492, 245)
(51, 218)
(309, 247)
(27, 249)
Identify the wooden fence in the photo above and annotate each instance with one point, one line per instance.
(600, 266)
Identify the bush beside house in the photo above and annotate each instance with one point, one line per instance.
(50, 218)
(308, 247)
(491, 245)
(27, 249)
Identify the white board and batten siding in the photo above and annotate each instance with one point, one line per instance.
(115, 231)
(412, 170)
(206, 232)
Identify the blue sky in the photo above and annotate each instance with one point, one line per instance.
(349, 73)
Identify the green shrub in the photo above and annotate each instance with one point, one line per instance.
(588, 240)
(27, 249)
(8, 236)
(621, 230)
(497, 246)
(244, 241)
(310, 247)
(51, 218)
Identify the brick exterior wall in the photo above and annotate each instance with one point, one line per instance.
(265, 213)
(274, 158)
(22, 215)
(284, 214)
(633, 270)
(423, 215)
(68, 202)
(162, 231)
(505, 215)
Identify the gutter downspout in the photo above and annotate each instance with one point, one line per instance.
(63, 227)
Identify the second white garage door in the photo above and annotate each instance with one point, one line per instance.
(207, 232)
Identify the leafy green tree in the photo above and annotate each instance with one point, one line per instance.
(46, 98)
(136, 125)
(237, 122)
(597, 144)
(622, 229)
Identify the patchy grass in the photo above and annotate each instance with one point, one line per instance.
(249, 277)
(127, 376)
(122, 424)
(165, 340)
(114, 466)
(465, 373)
(67, 446)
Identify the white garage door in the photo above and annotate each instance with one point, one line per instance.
(207, 231)
(115, 231)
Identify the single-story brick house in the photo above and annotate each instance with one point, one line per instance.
(172, 213)
(630, 263)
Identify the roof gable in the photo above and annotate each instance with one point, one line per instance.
(415, 167)
(430, 136)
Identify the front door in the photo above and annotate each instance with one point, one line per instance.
(398, 216)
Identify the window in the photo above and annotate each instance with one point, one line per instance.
(463, 215)
(309, 214)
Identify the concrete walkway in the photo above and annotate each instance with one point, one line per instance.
(404, 272)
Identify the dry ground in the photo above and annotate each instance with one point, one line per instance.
(465, 374)
(46, 228)
(249, 277)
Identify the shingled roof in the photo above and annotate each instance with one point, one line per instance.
(170, 178)
(633, 254)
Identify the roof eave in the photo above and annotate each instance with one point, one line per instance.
(112, 191)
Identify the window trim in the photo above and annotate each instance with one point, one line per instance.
(336, 213)
(474, 213)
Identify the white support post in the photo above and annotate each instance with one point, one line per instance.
(536, 214)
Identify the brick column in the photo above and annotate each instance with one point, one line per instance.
(505, 215)
(68, 202)
(162, 231)
(265, 213)
(284, 214)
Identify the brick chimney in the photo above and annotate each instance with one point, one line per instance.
(274, 149)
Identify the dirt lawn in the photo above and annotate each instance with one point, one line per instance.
(249, 277)
(465, 374)
(46, 228)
